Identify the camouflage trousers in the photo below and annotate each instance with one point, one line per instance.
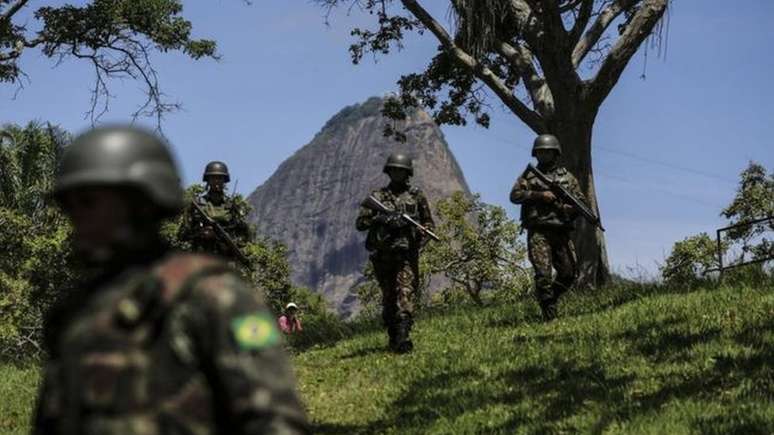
(552, 249)
(398, 275)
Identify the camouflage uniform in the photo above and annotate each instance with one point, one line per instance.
(231, 217)
(395, 256)
(180, 345)
(549, 230)
(158, 342)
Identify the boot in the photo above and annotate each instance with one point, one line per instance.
(548, 308)
(403, 342)
(392, 332)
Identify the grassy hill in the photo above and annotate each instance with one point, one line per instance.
(626, 360)
(616, 362)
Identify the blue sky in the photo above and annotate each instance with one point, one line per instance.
(667, 149)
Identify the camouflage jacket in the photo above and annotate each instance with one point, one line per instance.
(229, 215)
(382, 237)
(535, 212)
(178, 346)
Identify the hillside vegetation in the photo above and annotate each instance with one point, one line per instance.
(618, 361)
(633, 359)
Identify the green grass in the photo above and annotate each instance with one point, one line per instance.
(18, 387)
(631, 360)
(613, 363)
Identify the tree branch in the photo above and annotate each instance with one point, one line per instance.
(591, 37)
(541, 27)
(581, 21)
(13, 10)
(640, 27)
(521, 59)
(529, 117)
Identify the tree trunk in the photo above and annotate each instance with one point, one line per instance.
(574, 132)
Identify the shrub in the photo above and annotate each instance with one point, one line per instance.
(689, 260)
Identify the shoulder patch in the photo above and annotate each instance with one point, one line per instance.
(254, 331)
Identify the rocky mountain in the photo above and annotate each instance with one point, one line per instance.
(310, 203)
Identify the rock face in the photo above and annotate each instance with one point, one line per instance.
(310, 203)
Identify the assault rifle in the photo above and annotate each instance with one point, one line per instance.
(566, 197)
(376, 205)
(223, 235)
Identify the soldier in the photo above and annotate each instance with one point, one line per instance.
(549, 224)
(221, 208)
(394, 245)
(155, 342)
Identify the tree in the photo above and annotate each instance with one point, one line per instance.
(479, 248)
(754, 200)
(529, 54)
(690, 259)
(35, 268)
(116, 37)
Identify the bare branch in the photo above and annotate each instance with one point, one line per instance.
(591, 37)
(638, 29)
(543, 31)
(13, 10)
(521, 59)
(572, 5)
(529, 117)
(581, 21)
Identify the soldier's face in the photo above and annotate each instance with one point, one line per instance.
(398, 175)
(546, 156)
(217, 183)
(99, 216)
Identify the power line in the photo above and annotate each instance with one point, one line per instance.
(631, 182)
(656, 189)
(642, 159)
(665, 164)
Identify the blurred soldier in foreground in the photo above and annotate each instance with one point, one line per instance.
(156, 342)
(549, 219)
(398, 220)
(215, 223)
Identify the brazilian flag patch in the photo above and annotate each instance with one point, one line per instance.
(255, 331)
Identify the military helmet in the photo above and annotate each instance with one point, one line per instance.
(399, 160)
(216, 168)
(124, 156)
(546, 142)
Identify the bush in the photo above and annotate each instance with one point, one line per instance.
(320, 325)
(690, 259)
(754, 200)
(479, 248)
(36, 264)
